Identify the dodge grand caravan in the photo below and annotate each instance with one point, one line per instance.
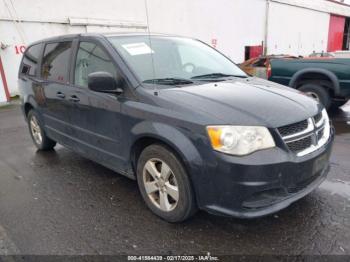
(180, 118)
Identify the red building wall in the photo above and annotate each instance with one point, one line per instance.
(336, 33)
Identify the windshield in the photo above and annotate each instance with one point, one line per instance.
(173, 58)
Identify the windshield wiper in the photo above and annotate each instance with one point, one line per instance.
(169, 81)
(216, 76)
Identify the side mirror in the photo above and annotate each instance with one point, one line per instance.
(103, 82)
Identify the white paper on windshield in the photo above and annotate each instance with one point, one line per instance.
(138, 49)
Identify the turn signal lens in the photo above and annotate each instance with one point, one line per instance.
(215, 134)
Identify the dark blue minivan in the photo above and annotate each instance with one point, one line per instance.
(179, 117)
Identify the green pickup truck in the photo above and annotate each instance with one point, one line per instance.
(325, 79)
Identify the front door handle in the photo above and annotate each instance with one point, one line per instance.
(74, 98)
(40, 81)
(60, 95)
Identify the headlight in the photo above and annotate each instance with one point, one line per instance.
(240, 140)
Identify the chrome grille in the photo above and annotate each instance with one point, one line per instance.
(293, 128)
(306, 136)
(320, 134)
(300, 145)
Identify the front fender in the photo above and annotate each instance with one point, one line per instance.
(174, 138)
(180, 142)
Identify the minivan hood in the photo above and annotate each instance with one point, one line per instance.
(249, 101)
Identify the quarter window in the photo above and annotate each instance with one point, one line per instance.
(31, 60)
(55, 63)
(91, 58)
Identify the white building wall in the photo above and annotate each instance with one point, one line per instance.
(59, 11)
(232, 23)
(296, 31)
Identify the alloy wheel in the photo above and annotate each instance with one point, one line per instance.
(160, 184)
(36, 130)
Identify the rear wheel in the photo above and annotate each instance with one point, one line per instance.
(337, 104)
(319, 93)
(41, 141)
(164, 184)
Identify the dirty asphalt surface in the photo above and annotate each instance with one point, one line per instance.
(61, 203)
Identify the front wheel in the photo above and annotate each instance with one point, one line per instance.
(41, 141)
(164, 184)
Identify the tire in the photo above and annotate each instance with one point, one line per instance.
(40, 139)
(161, 196)
(317, 92)
(337, 104)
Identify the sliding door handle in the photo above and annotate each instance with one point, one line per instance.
(74, 98)
(60, 95)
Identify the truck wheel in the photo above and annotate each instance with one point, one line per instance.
(319, 93)
(41, 141)
(164, 184)
(337, 104)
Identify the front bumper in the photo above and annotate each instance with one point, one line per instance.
(263, 183)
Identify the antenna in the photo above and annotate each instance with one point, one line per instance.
(150, 44)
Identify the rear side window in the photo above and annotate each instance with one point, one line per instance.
(31, 60)
(55, 64)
